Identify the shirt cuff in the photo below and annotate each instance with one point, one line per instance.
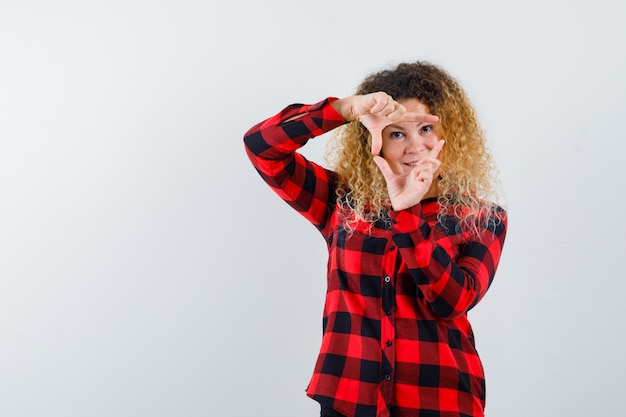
(409, 220)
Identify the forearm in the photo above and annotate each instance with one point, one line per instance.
(452, 282)
(282, 134)
(271, 146)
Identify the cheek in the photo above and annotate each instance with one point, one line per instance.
(431, 140)
(391, 150)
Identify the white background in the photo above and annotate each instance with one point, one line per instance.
(146, 270)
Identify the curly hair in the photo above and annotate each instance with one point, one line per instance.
(467, 180)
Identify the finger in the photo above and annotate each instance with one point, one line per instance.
(386, 106)
(380, 102)
(377, 141)
(425, 178)
(384, 167)
(434, 152)
(398, 113)
(419, 117)
(427, 164)
(390, 107)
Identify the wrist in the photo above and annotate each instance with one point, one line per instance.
(343, 106)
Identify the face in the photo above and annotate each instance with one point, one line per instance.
(405, 143)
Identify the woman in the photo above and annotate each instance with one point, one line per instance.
(414, 238)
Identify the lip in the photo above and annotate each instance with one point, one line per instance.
(411, 164)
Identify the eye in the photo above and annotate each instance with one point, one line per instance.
(426, 129)
(396, 135)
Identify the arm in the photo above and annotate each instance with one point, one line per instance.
(451, 287)
(272, 144)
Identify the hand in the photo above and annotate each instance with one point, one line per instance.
(407, 190)
(375, 124)
(376, 111)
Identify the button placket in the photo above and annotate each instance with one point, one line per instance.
(387, 341)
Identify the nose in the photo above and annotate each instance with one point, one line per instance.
(416, 144)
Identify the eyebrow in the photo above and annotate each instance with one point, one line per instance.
(419, 124)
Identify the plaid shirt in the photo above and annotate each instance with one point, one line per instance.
(396, 338)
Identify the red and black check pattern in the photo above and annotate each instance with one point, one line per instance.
(396, 338)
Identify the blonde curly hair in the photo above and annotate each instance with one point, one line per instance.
(467, 180)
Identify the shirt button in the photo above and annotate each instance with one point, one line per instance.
(388, 343)
(387, 377)
(388, 312)
(392, 247)
(387, 279)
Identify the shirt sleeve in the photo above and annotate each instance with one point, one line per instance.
(271, 146)
(451, 286)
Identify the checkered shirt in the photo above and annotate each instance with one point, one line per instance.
(396, 338)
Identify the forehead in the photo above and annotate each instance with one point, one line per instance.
(414, 105)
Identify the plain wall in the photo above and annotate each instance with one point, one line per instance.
(145, 268)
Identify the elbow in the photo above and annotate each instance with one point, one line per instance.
(254, 142)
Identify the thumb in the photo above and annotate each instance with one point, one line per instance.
(384, 167)
(377, 141)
